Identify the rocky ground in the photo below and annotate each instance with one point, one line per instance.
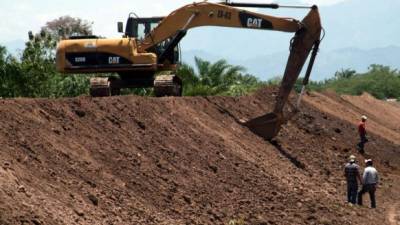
(136, 160)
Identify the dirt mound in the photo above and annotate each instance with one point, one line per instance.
(134, 160)
(383, 114)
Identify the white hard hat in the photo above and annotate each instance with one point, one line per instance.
(352, 158)
(364, 117)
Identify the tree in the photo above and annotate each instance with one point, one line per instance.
(66, 26)
(347, 73)
(4, 75)
(34, 73)
(380, 81)
(219, 78)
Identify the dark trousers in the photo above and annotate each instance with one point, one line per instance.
(370, 188)
(363, 140)
(352, 193)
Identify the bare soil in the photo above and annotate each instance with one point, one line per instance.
(136, 160)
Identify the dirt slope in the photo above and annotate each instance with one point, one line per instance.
(134, 160)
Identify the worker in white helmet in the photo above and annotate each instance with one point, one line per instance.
(353, 178)
(363, 134)
(370, 182)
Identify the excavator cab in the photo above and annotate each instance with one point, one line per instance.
(139, 28)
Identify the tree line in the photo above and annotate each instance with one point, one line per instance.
(380, 81)
(33, 72)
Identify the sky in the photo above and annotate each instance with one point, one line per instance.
(18, 17)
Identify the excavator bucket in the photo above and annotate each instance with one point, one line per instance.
(305, 40)
(266, 126)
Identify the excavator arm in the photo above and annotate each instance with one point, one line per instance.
(306, 39)
(213, 14)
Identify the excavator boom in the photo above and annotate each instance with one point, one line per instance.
(307, 34)
(213, 14)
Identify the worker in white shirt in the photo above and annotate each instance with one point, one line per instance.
(370, 181)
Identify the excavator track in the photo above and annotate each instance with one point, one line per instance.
(103, 87)
(167, 85)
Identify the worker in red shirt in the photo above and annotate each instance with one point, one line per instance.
(363, 134)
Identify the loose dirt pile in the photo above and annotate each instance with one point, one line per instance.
(134, 160)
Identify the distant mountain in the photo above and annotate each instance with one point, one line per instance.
(358, 24)
(327, 62)
(356, 59)
(362, 24)
(351, 26)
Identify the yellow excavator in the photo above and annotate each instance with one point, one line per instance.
(150, 46)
